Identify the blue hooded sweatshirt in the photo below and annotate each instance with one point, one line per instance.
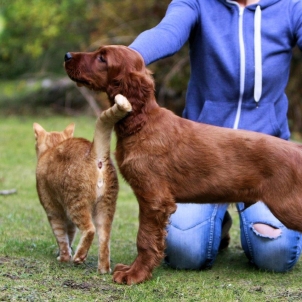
(240, 59)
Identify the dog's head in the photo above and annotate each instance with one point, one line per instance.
(114, 69)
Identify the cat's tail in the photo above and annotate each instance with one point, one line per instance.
(104, 126)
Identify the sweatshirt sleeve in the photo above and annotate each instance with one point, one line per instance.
(170, 34)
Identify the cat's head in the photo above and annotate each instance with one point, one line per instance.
(46, 140)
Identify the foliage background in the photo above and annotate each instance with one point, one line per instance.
(35, 35)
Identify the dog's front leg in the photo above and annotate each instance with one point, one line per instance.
(153, 218)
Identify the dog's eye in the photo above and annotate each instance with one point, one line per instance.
(101, 59)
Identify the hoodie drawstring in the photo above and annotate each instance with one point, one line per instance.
(258, 55)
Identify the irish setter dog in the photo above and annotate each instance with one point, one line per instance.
(168, 159)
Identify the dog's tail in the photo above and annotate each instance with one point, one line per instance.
(104, 126)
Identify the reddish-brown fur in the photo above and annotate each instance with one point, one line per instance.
(168, 159)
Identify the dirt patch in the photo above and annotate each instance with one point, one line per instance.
(4, 260)
(74, 285)
(96, 286)
(24, 279)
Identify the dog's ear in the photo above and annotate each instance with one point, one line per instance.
(127, 73)
(122, 61)
(69, 130)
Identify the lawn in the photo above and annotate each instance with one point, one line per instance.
(29, 270)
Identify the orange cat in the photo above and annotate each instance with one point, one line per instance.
(77, 185)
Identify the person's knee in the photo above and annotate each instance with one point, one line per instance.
(267, 230)
(274, 255)
(188, 249)
(194, 235)
(179, 260)
(183, 251)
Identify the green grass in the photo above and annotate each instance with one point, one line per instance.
(29, 270)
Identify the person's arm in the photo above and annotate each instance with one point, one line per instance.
(170, 34)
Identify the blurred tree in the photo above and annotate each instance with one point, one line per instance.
(294, 93)
(36, 32)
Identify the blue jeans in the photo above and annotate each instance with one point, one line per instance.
(194, 235)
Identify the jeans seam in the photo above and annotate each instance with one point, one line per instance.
(297, 253)
(212, 226)
(247, 238)
(192, 227)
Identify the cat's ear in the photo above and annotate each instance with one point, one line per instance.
(38, 129)
(69, 130)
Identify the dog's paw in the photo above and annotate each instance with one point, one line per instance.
(122, 103)
(121, 267)
(124, 274)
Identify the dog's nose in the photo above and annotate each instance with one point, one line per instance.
(68, 56)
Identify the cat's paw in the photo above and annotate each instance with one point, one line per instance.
(104, 270)
(78, 259)
(64, 258)
(64, 254)
(122, 103)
